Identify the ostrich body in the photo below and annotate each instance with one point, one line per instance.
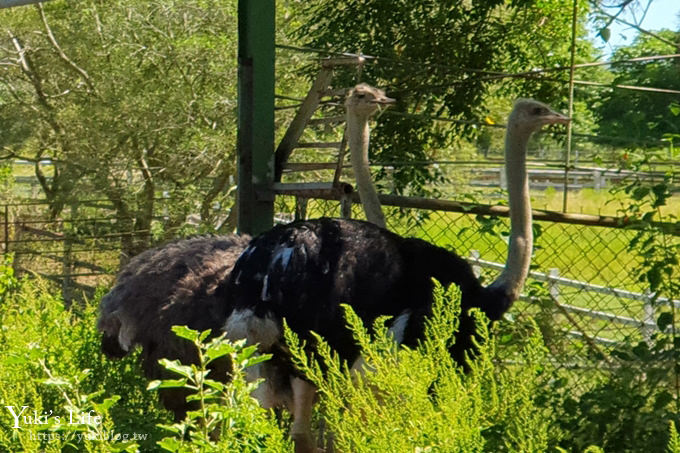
(180, 283)
(362, 102)
(303, 272)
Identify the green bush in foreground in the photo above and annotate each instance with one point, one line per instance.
(52, 372)
(227, 418)
(409, 400)
(419, 399)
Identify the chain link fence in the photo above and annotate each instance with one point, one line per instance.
(584, 290)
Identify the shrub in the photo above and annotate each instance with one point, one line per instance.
(419, 399)
(227, 418)
(50, 362)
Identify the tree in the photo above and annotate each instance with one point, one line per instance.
(642, 117)
(441, 59)
(126, 99)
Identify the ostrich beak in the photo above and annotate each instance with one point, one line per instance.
(557, 118)
(384, 100)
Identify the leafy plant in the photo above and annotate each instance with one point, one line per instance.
(226, 417)
(50, 362)
(673, 439)
(420, 399)
(85, 425)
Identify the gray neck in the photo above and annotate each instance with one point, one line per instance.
(521, 236)
(358, 136)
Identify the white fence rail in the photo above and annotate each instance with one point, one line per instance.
(647, 325)
(542, 178)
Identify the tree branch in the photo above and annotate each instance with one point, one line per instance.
(62, 54)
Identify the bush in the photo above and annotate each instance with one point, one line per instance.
(419, 399)
(227, 418)
(628, 408)
(51, 364)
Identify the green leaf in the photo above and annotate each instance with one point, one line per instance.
(215, 351)
(605, 34)
(176, 367)
(185, 332)
(170, 444)
(204, 335)
(640, 192)
(674, 108)
(166, 383)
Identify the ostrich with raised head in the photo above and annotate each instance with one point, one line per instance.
(180, 283)
(303, 271)
(361, 103)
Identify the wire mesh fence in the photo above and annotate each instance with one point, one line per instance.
(584, 290)
(79, 250)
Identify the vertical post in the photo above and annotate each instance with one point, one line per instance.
(476, 268)
(649, 317)
(6, 229)
(553, 286)
(597, 179)
(567, 155)
(256, 25)
(301, 208)
(67, 262)
(346, 205)
(503, 178)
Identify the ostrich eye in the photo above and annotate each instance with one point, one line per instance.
(361, 95)
(538, 111)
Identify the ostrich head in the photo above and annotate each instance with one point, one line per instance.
(528, 116)
(364, 100)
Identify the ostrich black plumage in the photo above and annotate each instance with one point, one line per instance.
(303, 271)
(180, 283)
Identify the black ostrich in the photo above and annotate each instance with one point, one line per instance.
(303, 272)
(180, 283)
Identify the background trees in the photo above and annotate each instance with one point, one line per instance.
(642, 118)
(126, 99)
(130, 100)
(444, 59)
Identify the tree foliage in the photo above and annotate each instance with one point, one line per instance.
(644, 118)
(126, 99)
(440, 59)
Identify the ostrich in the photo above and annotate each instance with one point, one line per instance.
(361, 103)
(180, 283)
(303, 272)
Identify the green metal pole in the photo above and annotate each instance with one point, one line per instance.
(256, 26)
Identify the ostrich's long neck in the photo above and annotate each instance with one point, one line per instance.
(358, 132)
(521, 237)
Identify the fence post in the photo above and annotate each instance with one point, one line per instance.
(301, 208)
(553, 286)
(6, 229)
(648, 317)
(476, 268)
(346, 205)
(598, 180)
(67, 263)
